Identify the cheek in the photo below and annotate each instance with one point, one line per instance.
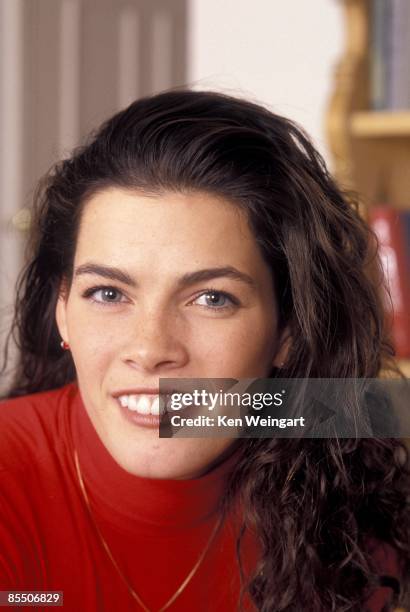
(93, 343)
(241, 346)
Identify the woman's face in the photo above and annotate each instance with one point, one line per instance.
(172, 286)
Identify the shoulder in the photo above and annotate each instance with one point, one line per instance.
(30, 424)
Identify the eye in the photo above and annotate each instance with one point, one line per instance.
(105, 295)
(216, 300)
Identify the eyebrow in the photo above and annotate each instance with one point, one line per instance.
(107, 272)
(190, 278)
(209, 273)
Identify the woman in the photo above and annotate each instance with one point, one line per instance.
(194, 235)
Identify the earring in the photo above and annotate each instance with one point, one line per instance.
(64, 345)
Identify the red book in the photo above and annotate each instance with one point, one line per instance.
(389, 228)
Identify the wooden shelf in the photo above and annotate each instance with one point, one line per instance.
(370, 148)
(371, 124)
(404, 365)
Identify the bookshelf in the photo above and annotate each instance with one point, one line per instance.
(405, 367)
(385, 124)
(370, 149)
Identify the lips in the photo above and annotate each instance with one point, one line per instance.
(143, 403)
(144, 400)
(151, 401)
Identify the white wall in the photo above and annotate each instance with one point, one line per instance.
(279, 52)
(11, 153)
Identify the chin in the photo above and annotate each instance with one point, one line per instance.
(177, 459)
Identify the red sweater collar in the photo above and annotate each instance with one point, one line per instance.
(133, 500)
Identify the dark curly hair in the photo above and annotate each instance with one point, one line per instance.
(315, 504)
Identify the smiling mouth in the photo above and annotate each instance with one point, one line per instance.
(144, 403)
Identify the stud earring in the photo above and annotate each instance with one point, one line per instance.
(64, 345)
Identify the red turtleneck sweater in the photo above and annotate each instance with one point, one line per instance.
(156, 529)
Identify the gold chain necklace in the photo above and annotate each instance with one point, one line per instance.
(114, 562)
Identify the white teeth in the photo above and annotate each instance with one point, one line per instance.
(124, 401)
(143, 404)
(133, 402)
(155, 406)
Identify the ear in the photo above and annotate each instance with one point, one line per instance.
(284, 345)
(61, 311)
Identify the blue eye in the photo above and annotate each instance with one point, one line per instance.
(104, 295)
(216, 300)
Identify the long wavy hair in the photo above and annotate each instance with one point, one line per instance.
(315, 504)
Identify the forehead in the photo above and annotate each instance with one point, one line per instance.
(127, 228)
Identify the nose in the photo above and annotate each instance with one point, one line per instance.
(156, 344)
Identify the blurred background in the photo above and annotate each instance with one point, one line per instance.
(65, 65)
